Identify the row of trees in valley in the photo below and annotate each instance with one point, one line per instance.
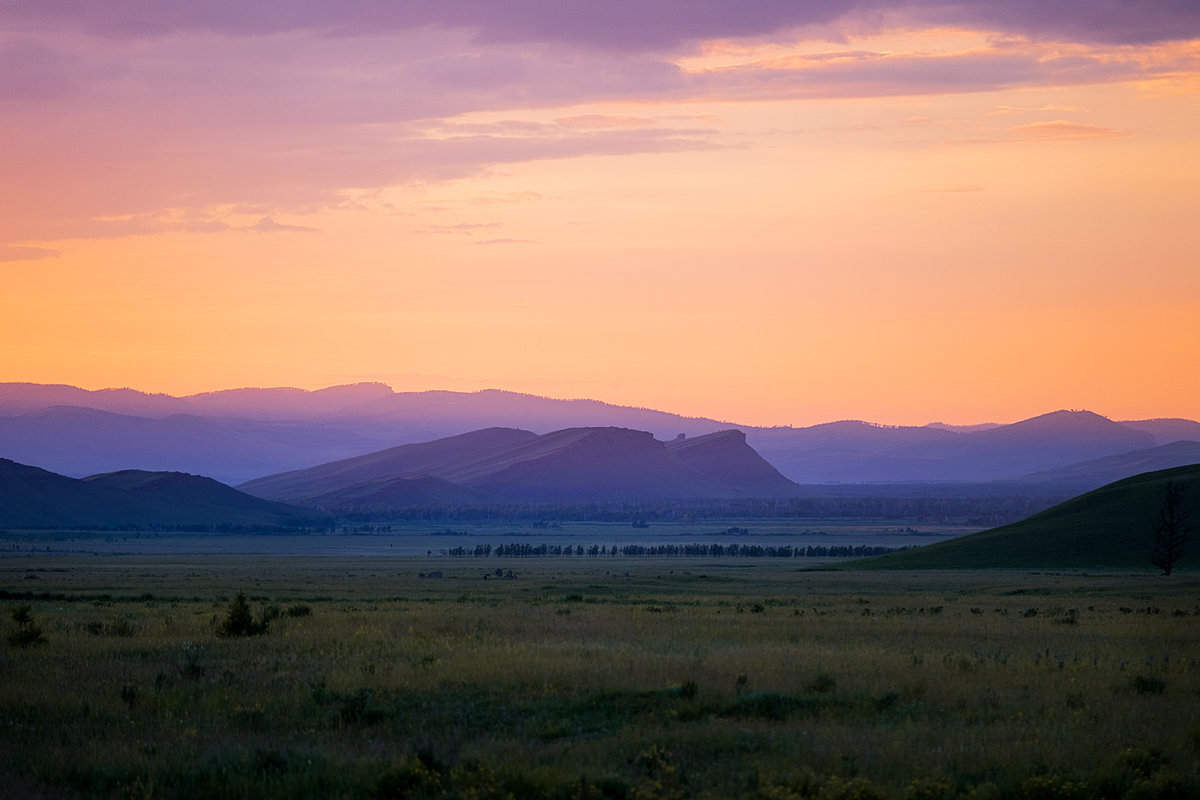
(692, 550)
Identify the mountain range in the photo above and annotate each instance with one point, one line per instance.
(240, 435)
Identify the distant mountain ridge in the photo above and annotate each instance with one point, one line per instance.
(1109, 469)
(507, 465)
(242, 434)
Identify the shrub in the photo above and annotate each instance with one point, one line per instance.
(239, 621)
(28, 633)
(1147, 684)
(299, 610)
(849, 789)
(822, 683)
(1050, 787)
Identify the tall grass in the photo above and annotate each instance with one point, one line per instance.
(627, 679)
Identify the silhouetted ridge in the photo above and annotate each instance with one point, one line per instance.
(440, 458)
(574, 464)
(726, 456)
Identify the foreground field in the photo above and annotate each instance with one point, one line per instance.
(613, 678)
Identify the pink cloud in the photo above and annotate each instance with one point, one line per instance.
(269, 225)
(1062, 130)
(857, 74)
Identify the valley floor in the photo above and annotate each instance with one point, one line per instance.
(590, 678)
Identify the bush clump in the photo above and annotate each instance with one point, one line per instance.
(28, 632)
(239, 620)
(1148, 684)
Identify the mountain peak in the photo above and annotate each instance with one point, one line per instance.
(1065, 421)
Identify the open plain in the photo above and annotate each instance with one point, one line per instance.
(593, 677)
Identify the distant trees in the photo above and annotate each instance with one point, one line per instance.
(1172, 527)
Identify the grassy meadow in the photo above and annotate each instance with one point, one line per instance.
(611, 678)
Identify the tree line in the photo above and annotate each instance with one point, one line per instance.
(697, 550)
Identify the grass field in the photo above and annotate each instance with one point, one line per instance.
(584, 678)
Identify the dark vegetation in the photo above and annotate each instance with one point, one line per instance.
(28, 632)
(239, 619)
(1173, 526)
(701, 550)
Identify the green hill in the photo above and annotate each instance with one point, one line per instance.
(1108, 527)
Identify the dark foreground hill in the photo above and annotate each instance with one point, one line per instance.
(507, 465)
(1108, 527)
(34, 498)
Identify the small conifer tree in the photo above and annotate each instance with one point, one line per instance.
(239, 621)
(1172, 527)
(28, 632)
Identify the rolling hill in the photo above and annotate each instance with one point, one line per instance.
(34, 498)
(1108, 527)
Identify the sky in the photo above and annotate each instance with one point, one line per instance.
(773, 213)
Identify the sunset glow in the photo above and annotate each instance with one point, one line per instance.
(786, 213)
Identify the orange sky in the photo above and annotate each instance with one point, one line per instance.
(901, 220)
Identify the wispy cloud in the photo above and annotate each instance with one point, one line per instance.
(1062, 130)
(460, 228)
(19, 253)
(526, 196)
(1062, 109)
(604, 121)
(955, 188)
(269, 225)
